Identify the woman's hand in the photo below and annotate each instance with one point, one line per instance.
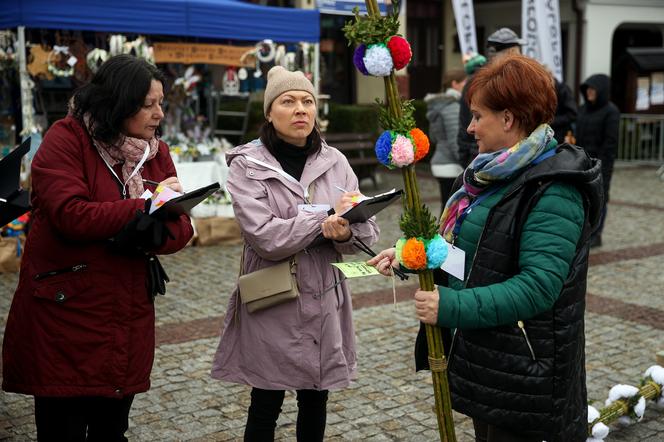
(173, 183)
(384, 260)
(336, 228)
(426, 306)
(346, 201)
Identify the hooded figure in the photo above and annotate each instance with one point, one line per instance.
(597, 132)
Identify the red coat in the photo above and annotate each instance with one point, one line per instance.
(89, 329)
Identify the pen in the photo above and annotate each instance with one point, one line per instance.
(341, 188)
(145, 180)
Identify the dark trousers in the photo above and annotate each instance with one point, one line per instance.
(490, 433)
(266, 406)
(74, 419)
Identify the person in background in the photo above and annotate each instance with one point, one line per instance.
(521, 218)
(282, 186)
(502, 42)
(566, 113)
(597, 132)
(443, 116)
(80, 334)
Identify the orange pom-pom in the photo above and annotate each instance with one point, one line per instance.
(421, 143)
(414, 254)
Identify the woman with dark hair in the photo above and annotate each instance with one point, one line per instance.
(80, 332)
(283, 187)
(521, 218)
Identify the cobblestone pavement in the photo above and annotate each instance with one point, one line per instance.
(389, 401)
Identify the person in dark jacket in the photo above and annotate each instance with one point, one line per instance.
(522, 217)
(597, 132)
(80, 333)
(566, 112)
(443, 116)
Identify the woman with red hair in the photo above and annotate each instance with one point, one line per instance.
(521, 215)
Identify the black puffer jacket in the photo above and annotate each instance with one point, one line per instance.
(488, 381)
(597, 126)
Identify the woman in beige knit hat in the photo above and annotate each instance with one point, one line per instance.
(286, 192)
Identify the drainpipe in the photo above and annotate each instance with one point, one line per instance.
(579, 9)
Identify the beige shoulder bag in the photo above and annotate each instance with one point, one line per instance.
(269, 286)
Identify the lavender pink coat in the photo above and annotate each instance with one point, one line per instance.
(308, 343)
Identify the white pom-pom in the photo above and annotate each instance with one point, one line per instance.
(640, 408)
(656, 372)
(620, 391)
(592, 414)
(378, 61)
(600, 431)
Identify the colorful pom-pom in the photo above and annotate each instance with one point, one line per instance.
(414, 255)
(358, 57)
(384, 147)
(378, 60)
(421, 143)
(436, 249)
(402, 151)
(400, 50)
(398, 248)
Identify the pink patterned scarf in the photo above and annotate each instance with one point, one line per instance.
(128, 152)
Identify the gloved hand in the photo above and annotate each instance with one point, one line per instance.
(143, 233)
(157, 278)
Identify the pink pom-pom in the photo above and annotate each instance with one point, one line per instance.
(402, 151)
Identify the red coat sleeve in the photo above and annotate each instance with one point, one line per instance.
(61, 188)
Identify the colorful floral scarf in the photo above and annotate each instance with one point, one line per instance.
(488, 169)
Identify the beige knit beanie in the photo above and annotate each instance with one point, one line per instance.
(280, 80)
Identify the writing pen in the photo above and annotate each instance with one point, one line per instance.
(341, 188)
(145, 180)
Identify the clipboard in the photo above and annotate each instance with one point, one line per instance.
(370, 206)
(185, 202)
(14, 201)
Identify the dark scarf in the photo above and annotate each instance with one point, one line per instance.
(291, 157)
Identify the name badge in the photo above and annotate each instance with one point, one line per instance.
(455, 262)
(314, 207)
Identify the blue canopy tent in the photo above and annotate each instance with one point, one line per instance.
(220, 19)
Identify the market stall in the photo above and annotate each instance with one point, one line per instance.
(231, 22)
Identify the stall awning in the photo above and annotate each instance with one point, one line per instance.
(647, 59)
(220, 19)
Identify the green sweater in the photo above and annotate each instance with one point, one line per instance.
(548, 245)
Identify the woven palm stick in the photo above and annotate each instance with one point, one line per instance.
(621, 407)
(437, 361)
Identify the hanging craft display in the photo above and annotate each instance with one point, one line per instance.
(116, 44)
(96, 58)
(266, 51)
(231, 82)
(38, 65)
(61, 62)
(379, 51)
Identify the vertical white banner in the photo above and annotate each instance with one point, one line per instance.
(465, 23)
(540, 24)
(530, 29)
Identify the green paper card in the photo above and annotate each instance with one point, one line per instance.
(355, 269)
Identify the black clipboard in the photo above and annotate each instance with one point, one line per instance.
(369, 207)
(363, 211)
(185, 202)
(14, 201)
